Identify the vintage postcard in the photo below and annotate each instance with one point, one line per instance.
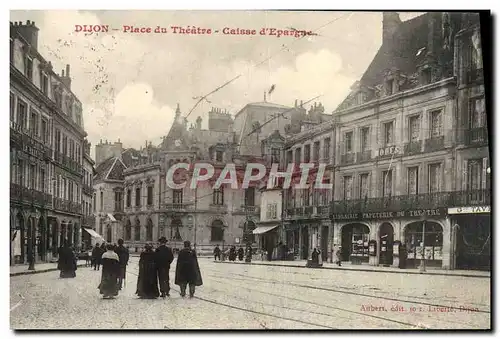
(324, 170)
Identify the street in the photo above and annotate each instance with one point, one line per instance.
(256, 297)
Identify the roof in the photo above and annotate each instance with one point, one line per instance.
(110, 169)
(103, 168)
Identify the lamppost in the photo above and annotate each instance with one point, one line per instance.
(422, 244)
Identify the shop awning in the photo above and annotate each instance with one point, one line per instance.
(93, 233)
(111, 217)
(263, 229)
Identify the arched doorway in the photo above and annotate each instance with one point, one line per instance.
(137, 230)
(149, 230)
(217, 231)
(354, 242)
(386, 242)
(175, 233)
(432, 241)
(248, 236)
(128, 231)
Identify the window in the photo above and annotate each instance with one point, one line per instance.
(32, 177)
(365, 139)
(434, 178)
(272, 211)
(101, 202)
(177, 196)
(44, 132)
(129, 197)
(414, 128)
(387, 184)
(57, 141)
(275, 155)
(389, 87)
(44, 82)
(95, 204)
(316, 151)
(42, 180)
(298, 156)
(412, 180)
(28, 68)
(65, 145)
(138, 197)
(150, 195)
(137, 230)
(250, 196)
(118, 201)
(219, 156)
(22, 114)
(217, 231)
(149, 230)
(475, 174)
(307, 153)
(34, 123)
(389, 133)
(436, 124)
(289, 157)
(326, 149)
(218, 196)
(348, 136)
(348, 187)
(363, 185)
(477, 113)
(306, 196)
(12, 107)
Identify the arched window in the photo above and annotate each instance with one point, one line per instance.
(149, 230)
(217, 232)
(128, 231)
(137, 230)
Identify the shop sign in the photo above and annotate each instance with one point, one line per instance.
(469, 210)
(437, 212)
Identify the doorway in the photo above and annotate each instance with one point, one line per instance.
(305, 242)
(324, 243)
(386, 241)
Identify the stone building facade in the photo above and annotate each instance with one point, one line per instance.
(47, 138)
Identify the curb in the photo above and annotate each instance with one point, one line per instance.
(363, 270)
(39, 271)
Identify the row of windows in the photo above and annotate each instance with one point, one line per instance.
(67, 189)
(307, 197)
(29, 175)
(307, 152)
(138, 200)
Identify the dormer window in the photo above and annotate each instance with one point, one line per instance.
(389, 87)
(425, 76)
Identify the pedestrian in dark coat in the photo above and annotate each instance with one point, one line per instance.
(241, 253)
(123, 257)
(147, 280)
(164, 258)
(66, 262)
(217, 252)
(102, 250)
(110, 272)
(232, 253)
(187, 270)
(96, 253)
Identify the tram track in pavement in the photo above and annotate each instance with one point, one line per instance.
(272, 281)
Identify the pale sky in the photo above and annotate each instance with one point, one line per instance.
(130, 84)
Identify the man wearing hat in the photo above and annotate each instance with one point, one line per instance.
(164, 257)
(187, 271)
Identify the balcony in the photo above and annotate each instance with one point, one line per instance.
(245, 209)
(364, 156)
(414, 202)
(322, 211)
(475, 76)
(414, 147)
(29, 142)
(347, 159)
(68, 163)
(218, 208)
(434, 144)
(476, 136)
(67, 206)
(28, 195)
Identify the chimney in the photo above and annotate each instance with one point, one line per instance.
(66, 79)
(390, 24)
(29, 32)
(295, 103)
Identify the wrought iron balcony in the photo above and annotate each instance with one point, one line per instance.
(364, 156)
(67, 206)
(413, 202)
(476, 136)
(179, 207)
(414, 147)
(322, 210)
(28, 195)
(348, 158)
(434, 144)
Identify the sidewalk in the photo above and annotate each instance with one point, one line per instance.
(366, 268)
(39, 268)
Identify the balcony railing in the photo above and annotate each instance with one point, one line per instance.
(347, 158)
(476, 136)
(28, 195)
(364, 156)
(414, 202)
(178, 207)
(248, 209)
(67, 206)
(434, 144)
(413, 147)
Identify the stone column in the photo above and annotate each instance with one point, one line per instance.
(447, 250)
(300, 241)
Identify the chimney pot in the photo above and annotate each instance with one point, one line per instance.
(67, 70)
(28, 22)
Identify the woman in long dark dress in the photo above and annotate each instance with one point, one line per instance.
(110, 272)
(66, 262)
(187, 270)
(147, 281)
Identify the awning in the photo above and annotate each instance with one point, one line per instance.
(93, 233)
(264, 229)
(111, 217)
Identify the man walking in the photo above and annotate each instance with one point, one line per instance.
(164, 257)
(123, 256)
(187, 270)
